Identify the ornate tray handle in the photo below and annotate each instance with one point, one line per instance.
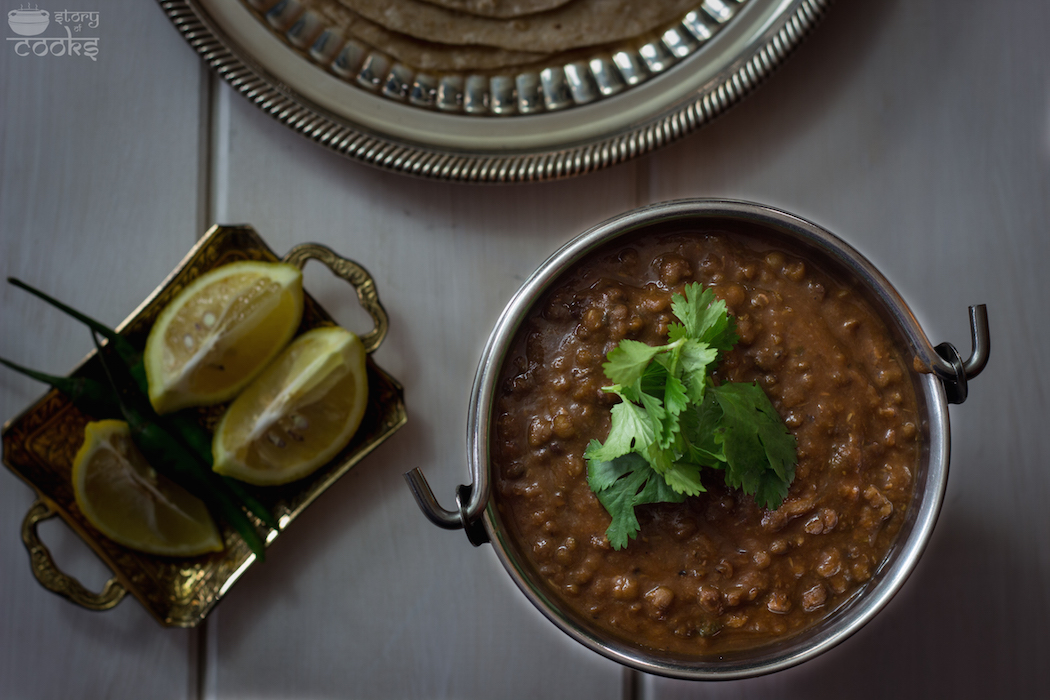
(358, 278)
(51, 578)
(177, 595)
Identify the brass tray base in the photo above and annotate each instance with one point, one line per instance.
(39, 446)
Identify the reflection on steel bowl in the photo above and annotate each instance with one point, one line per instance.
(28, 22)
(716, 586)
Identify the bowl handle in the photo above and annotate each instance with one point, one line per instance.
(470, 503)
(947, 362)
(358, 278)
(51, 578)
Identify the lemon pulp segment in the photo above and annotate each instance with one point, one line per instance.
(130, 503)
(298, 414)
(220, 331)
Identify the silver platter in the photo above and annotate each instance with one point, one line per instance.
(557, 122)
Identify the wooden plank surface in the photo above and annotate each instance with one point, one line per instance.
(387, 604)
(98, 202)
(918, 132)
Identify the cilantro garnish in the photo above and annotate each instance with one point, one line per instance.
(673, 420)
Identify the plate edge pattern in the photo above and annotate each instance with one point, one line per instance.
(424, 161)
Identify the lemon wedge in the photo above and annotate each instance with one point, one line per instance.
(302, 410)
(130, 503)
(220, 331)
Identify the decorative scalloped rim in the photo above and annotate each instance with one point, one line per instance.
(551, 88)
(453, 165)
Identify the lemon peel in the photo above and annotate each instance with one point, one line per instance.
(220, 331)
(298, 414)
(131, 504)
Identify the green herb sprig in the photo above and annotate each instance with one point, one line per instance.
(172, 458)
(673, 420)
(101, 400)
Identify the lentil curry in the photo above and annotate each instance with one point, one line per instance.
(716, 573)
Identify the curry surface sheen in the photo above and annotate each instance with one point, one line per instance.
(717, 572)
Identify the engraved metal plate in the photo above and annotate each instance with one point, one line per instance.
(557, 121)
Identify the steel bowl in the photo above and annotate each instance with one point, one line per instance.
(939, 377)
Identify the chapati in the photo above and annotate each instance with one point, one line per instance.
(577, 24)
(421, 55)
(499, 8)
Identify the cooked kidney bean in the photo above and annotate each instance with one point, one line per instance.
(716, 572)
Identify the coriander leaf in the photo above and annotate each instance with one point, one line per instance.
(662, 395)
(656, 490)
(684, 478)
(663, 366)
(675, 401)
(697, 356)
(620, 486)
(628, 360)
(699, 433)
(659, 418)
(755, 441)
(722, 336)
(603, 474)
(654, 410)
(630, 428)
(745, 455)
(673, 420)
(691, 307)
(696, 359)
(772, 491)
(619, 501)
(659, 458)
(653, 380)
(705, 317)
(676, 332)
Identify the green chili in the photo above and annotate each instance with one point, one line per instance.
(171, 458)
(90, 396)
(198, 441)
(181, 424)
(129, 354)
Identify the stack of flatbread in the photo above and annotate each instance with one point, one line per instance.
(486, 35)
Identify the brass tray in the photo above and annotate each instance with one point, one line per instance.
(39, 446)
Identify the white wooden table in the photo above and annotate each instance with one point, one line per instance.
(920, 132)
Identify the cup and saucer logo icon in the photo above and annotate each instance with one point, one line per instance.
(28, 21)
